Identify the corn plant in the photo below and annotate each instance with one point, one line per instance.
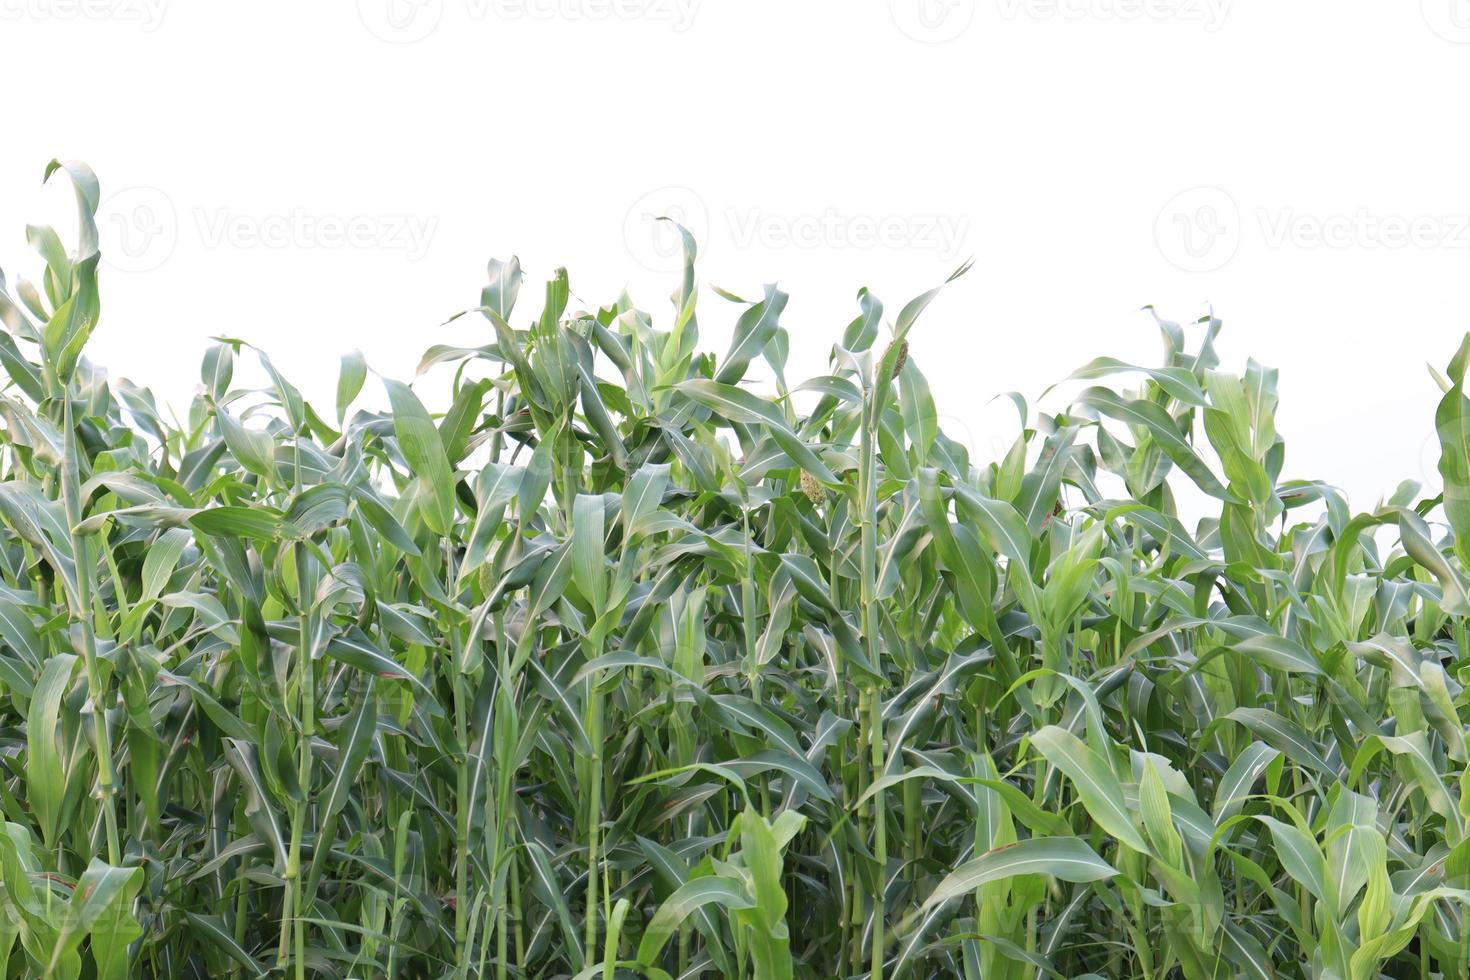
(629, 664)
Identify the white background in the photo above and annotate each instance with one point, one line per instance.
(315, 177)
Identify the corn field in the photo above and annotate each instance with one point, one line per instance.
(623, 666)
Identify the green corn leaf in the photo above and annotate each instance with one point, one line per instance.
(350, 379)
(424, 450)
(46, 776)
(1096, 785)
(1165, 433)
(101, 908)
(687, 899)
(741, 406)
(1065, 858)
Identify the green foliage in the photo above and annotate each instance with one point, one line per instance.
(619, 667)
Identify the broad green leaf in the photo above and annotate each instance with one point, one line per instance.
(1164, 431)
(738, 405)
(419, 441)
(685, 900)
(350, 379)
(1096, 785)
(1066, 858)
(45, 774)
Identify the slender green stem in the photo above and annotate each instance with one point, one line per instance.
(294, 916)
(868, 546)
(880, 836)
(97, 687)
(463, 808)
(593, 723)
